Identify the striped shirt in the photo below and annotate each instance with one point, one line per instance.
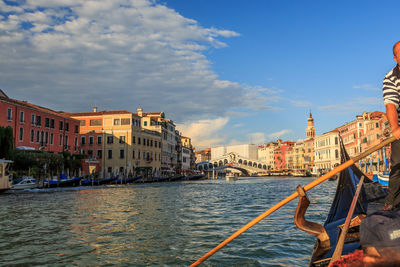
(391, 88)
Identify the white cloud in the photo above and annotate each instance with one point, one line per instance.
(355, 105)
(300, 103)
(279, 134)
(205, 133)
(368, 87)
(256, 138)
(73, 54)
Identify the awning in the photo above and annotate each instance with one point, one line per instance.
(25, 148)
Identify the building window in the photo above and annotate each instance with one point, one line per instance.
(109, 169)
(90, 153)
(83, 140)
(117, 122)
(51, 138)
(122, 139)
(133, 139)
(60, 140)
(121, 153)
(99, 153)
(110, 153)
(21, 134)
(76, 144)
(46, 138)
(145, 123)
(76, 129)
(121, 169)
(110, 139)
(125, 121)
(96, 122)
(9, 114)
(82, 123)
(138, 154)
(155, 143)
(151, 142)
(38, 120)
(32, 136)
(47, 122)
(37, 137)
(144, 141)
(66, 142)
(52, 124)
(138, 140)
(133, 154)
(148, 142)
(21, 117)
(61, 125)
(33, 119)
(67, 126)
(91, 140)
(99, 139)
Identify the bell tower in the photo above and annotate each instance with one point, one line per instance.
(310, 131)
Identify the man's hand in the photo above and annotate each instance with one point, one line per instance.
(396, 133)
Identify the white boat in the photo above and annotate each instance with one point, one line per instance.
(26, 183)
(4, 179)
(230, 177)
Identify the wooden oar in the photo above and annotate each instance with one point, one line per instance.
(340, 243)
(316, 182)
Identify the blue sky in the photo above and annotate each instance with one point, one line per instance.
(227, 72)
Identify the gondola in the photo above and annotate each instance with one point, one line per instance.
(371, 199)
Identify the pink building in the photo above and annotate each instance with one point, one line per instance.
(38, 128)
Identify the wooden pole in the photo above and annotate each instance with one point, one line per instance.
(316, 182)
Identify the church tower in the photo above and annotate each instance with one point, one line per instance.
(310, 131)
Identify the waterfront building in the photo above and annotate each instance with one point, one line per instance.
(117, 145)
(249, 151)
(188, 157)
(266, 154)
(282, 154)
(170, 139)
(327, 151)
(364, 132)
(298, 155)
(39, 128)
(203, 155)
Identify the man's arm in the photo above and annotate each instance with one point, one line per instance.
(391, 113)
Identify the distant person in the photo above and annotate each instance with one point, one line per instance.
(391, 97)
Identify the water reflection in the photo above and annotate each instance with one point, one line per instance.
(158, 224)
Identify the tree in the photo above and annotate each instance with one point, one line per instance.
(6, 142)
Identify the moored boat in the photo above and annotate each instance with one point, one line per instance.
(25, 183)
(383, 178)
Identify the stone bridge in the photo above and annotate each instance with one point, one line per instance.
(234, 161)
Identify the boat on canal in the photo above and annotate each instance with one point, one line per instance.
(26, 182)
(370, 199)
(4, 178)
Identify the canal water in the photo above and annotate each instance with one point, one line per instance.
(166, 224)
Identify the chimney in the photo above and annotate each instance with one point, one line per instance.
(140, 112)
(94, 109)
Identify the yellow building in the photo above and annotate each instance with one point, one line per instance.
(298, 156)
(126, 148)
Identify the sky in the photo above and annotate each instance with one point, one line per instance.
(226, 72)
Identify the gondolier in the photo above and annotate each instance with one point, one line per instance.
(391, 97)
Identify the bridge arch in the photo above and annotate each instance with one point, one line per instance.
(259, 166)
(245, 162)
(240, 161)
(225, 161)
(250, 163)
(220, 163)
